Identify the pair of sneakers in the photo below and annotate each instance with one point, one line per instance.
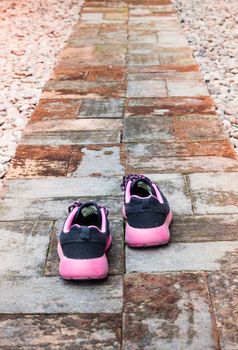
(86, 237)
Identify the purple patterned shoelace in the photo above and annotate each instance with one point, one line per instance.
(78, 204)
(133, 177)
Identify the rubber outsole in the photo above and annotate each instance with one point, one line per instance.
(83, 269)
(149, 237)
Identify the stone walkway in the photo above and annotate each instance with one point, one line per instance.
(126, 96)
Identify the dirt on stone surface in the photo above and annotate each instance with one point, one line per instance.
(32, 34)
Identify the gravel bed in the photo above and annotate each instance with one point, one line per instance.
(32, 34)
(212, 31)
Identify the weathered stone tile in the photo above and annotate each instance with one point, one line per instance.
(87, 89)
(76, 132)
(97, 161)
(53, 295)
(61, 331)
(52, 208)
(135, 48)
(94, 55)
(73, 125)
(196, 128)
(113, 29)
(148, 88)
(61, 187)
(70, 70)
(186, 88)
(72, 161)
(170, 106)
(144, 129)
(23, 247)
(175, 190)
(149, 2)
(204, 228)
(42, 161)
(110, 108)
(143, 60)
(112, 50)
(182, 157)
(176, 56)
(92, 17)
(167, 311)
(152, 10)
(116, 16)
(224, 293)
(220, 148)
(142, 39)
(83, 137)
(154, 72)
(106, 73)
(204, 256)
(181, 164)
(114, 7)
(172, 39)
(137, 20)
(115, 253)
(56, 109)
(214, 192)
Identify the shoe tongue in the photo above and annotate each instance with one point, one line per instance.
(143, 184)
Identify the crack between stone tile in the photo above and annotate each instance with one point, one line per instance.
(216, 333)
(125, 154)
(188, 189)
(48, 249)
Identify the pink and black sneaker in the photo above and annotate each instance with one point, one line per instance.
(83, 242)
(146, 211)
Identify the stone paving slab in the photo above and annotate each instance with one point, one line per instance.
(51, 295)
(185, 129)
(67, 160)
(167, 311)
(153, 129)
(75, 70)
(52, 208)
(115, 254)
(224, 293)
(60, 187)
(73, 125)
(109, 108)
(142, 71)
(88, 89)
(169, 106)
(204, 228)
(95, 55)
(220, 148)
(184, 165)
(71, 132)
(214, 192)
(61, 332)
(99, 161)
(209, 256)
(176, 56)
(42, 161)
(23, 247)
(56, 109)
(56, 138)
(182, 88)
(196, 128)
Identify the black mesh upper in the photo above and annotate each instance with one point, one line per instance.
(83, 250)
(83, 242)
(146, 212)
